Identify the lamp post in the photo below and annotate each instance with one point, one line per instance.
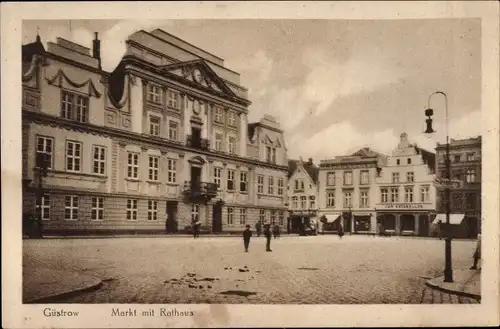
(350, 220)
(448, 271)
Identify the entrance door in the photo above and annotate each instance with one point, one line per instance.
(217, 218)
(195, 179)
(423, 225)
(171, 225)
(347, 223)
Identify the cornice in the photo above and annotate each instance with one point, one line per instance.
(50, 120)
(77, 64)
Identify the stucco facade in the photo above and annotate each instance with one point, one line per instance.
(166, 134)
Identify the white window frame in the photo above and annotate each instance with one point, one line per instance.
(395, 177)
(231, 144)
(394, 194)
(295, 202)
(75, 108)
(281, 184)
(97, 211)
(173, 130)
(230, 179)
(219, 142)
(74, 159)
(153, 170)
(424, 193)
(363, 199)
(133, 165)
(99, 159)
(410, 177)
(132, 207)
(230, 215)
(470, 157)
(231, 119)
(470, 176)
(173, 99)
(154, 127)
(219, 114)
(270, 185)
(171, 171)
(218, 176)
(47, 146)
(262, 215)
(152, 210)
(409, 194)
(330, 178)
(330, 199)
(384, 195)
(312, 202)
(348, 177)
(273, 217)
(72, 207)
(154, 93)
(364, 177)
(195, 212)
(347, 199)
(303, 202)
(244, 181)
(243, 216)
(45, 209)
(260, 184)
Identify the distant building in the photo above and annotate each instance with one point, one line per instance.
(348, 191)
(163, 136)
(302, 193)
(465, 157)
(405, 198)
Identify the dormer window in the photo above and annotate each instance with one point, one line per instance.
(74, 107)
(173, 99)
(154, 93)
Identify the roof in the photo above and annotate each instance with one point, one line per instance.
(309, 166)
(428, 157)
(30, 49)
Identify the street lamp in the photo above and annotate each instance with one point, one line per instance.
(448, 271)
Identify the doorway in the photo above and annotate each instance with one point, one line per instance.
(217, 218)
(196, 137)
(423, 225)
(171, 225)
(195, 179)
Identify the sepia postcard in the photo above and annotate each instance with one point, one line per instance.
(246, 164)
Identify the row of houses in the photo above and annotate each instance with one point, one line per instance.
(403, 191)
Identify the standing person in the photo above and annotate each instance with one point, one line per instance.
(341, 231)
(258, 228)
(247, 234)
(267, 233)
(196, 228)
(477, 252)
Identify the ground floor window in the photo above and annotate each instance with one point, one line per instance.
(281, 218)
(262, 216)
(71, 207)
(407, 223)
(195, 212)
(243, 216)
(230, 215)
(273, 217)
(362, 223)
(97, 208)
(152, 210)
(388, 222)
(131, 209)
(43, 211)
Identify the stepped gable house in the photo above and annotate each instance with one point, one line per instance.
(160, 141)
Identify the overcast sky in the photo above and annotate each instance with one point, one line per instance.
(334, 85)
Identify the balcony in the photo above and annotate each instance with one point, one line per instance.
(200, 192)
(197, 143)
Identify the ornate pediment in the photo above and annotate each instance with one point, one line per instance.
(61, 80)
(200, 73)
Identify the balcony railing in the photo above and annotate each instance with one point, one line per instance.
(201, 143)
(200, 190)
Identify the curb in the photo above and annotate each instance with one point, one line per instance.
(436, 286)
(66, 294)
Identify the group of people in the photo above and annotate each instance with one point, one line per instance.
(268, 233)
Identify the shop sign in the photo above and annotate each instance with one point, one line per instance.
(404, 206)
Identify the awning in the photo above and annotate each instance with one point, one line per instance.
(455, 219)
(330, 218)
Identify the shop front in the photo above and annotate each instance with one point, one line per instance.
(404, 219)
(330, 222)
(298, 221)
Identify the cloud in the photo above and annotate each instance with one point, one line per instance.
(255, 72)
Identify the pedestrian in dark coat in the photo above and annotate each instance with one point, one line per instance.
(247, 234)
(341, 231)
(267, 233)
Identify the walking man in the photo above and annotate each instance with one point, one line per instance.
(247, 234)
(267, 233)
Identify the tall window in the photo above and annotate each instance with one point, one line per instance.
(45, 146)
(154, 125)
(133, 165)
(230, 215)
(408, 193)
(303, 202)
(273, 217)
(73, 156)
(97, 212)
(281, 217)
(99, 161)
(231, 119)
(195, 212)
(243, 181)
(71, 207)
(312, 202)
(364, 177)
(243, 216)
(217, 176)
(173, 99)
(131, 209)
(273, 155)
(384, 195)
(280, 186)
(43, 211)
(410, 177)
(262, 215)
(330, 178)
(230, 179)
(270, 154)
(424, 194)
(218, 117)
(330, 199)
(471, 176)
(363, 200)
(347, 199)
(154, 93)
(408, 161)
(395, 177)
(231, 144)
(172, 130)
(260, 184)
(74, 107)
(171, 170)
(348, 178)
(270, 186)
(218, 141)
(152, 210)
(295, 202)
(394, 194)
(153, 168)
(398, 162)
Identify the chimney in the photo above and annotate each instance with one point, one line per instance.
(96, 49)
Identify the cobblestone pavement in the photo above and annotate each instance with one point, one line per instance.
(305, 270)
